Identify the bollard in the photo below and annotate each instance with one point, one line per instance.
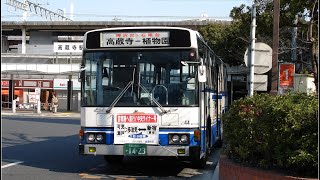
(13, 106)
(38, 107)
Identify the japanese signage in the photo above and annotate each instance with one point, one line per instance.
(286, 71)
(62, 84)
(46, 84)
(33, 97)
(4, 83)
(68, 47)
(286, 74)
(136, 128)
(134, 39)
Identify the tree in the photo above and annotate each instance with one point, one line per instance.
(231, 41)
(224, 40)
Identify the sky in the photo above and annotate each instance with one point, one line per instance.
(128, 10)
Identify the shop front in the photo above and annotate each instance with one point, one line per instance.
(17, 93)
(60, 86)
(27, 92)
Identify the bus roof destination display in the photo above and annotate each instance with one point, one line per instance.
(134, 39)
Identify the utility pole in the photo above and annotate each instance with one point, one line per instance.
(294, 42)
(275, 72)
(252, 49)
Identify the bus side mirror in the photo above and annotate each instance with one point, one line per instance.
(202, 75)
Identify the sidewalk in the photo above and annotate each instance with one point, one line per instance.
(42, 114)
(216, 173)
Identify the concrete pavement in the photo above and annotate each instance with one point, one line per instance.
(216, 173)
(42, 114)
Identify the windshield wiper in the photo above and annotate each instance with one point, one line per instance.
(119, 97)
(163, 111)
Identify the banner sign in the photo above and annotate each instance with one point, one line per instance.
(286, 72)
(134, 39)
(31, 84)
(62, 84)
(136, 128)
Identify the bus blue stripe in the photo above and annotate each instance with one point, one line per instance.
(164, 138)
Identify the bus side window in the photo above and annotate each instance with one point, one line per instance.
(88, 80)
(105, 72)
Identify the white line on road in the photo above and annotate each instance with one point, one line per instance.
(11, 164)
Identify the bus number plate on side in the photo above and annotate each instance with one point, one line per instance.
(135, 149)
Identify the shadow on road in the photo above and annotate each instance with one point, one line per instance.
(59, 154)
(58, 120)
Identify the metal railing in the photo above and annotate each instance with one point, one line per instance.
(16, 106)
(26, 106)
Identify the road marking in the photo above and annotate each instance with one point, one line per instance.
(11, 164)
(103, 176)
(88, 176)
(209, 162)
(188, 172)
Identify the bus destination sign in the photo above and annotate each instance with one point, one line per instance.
(134, 39)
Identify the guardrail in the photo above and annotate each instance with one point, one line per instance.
(36, 107)
(26, 106)
(23, 106)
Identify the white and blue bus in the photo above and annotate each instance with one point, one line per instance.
(150, 91)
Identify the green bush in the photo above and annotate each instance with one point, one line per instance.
(274, 132)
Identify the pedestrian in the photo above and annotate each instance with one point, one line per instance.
(17, 102)
(54, 103)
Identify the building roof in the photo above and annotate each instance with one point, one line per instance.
(72, 27)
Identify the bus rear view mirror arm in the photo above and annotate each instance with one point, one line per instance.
(202, 75)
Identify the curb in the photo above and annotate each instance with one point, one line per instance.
(42, 114)
(231, 170)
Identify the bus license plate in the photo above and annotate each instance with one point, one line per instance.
(135, 149)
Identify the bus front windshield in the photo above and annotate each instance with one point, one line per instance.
(144, 78)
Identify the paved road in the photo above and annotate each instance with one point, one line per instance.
(36, 147)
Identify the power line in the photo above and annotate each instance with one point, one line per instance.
(36, 9)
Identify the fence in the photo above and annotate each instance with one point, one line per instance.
(35, 107)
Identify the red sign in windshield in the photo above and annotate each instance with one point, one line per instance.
(137, 118)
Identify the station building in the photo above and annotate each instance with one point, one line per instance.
(39, 58)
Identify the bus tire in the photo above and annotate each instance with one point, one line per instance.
(113, 158)
(196, 161)
(200, 163)
(208, 137)
(219, 142)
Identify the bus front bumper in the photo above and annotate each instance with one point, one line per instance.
(152, 150)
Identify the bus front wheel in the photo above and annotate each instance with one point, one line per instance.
(200, 162)
(196, 161)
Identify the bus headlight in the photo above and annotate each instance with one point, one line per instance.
(175, 139)
(99, 137)
(91, 137)
(184, 139)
